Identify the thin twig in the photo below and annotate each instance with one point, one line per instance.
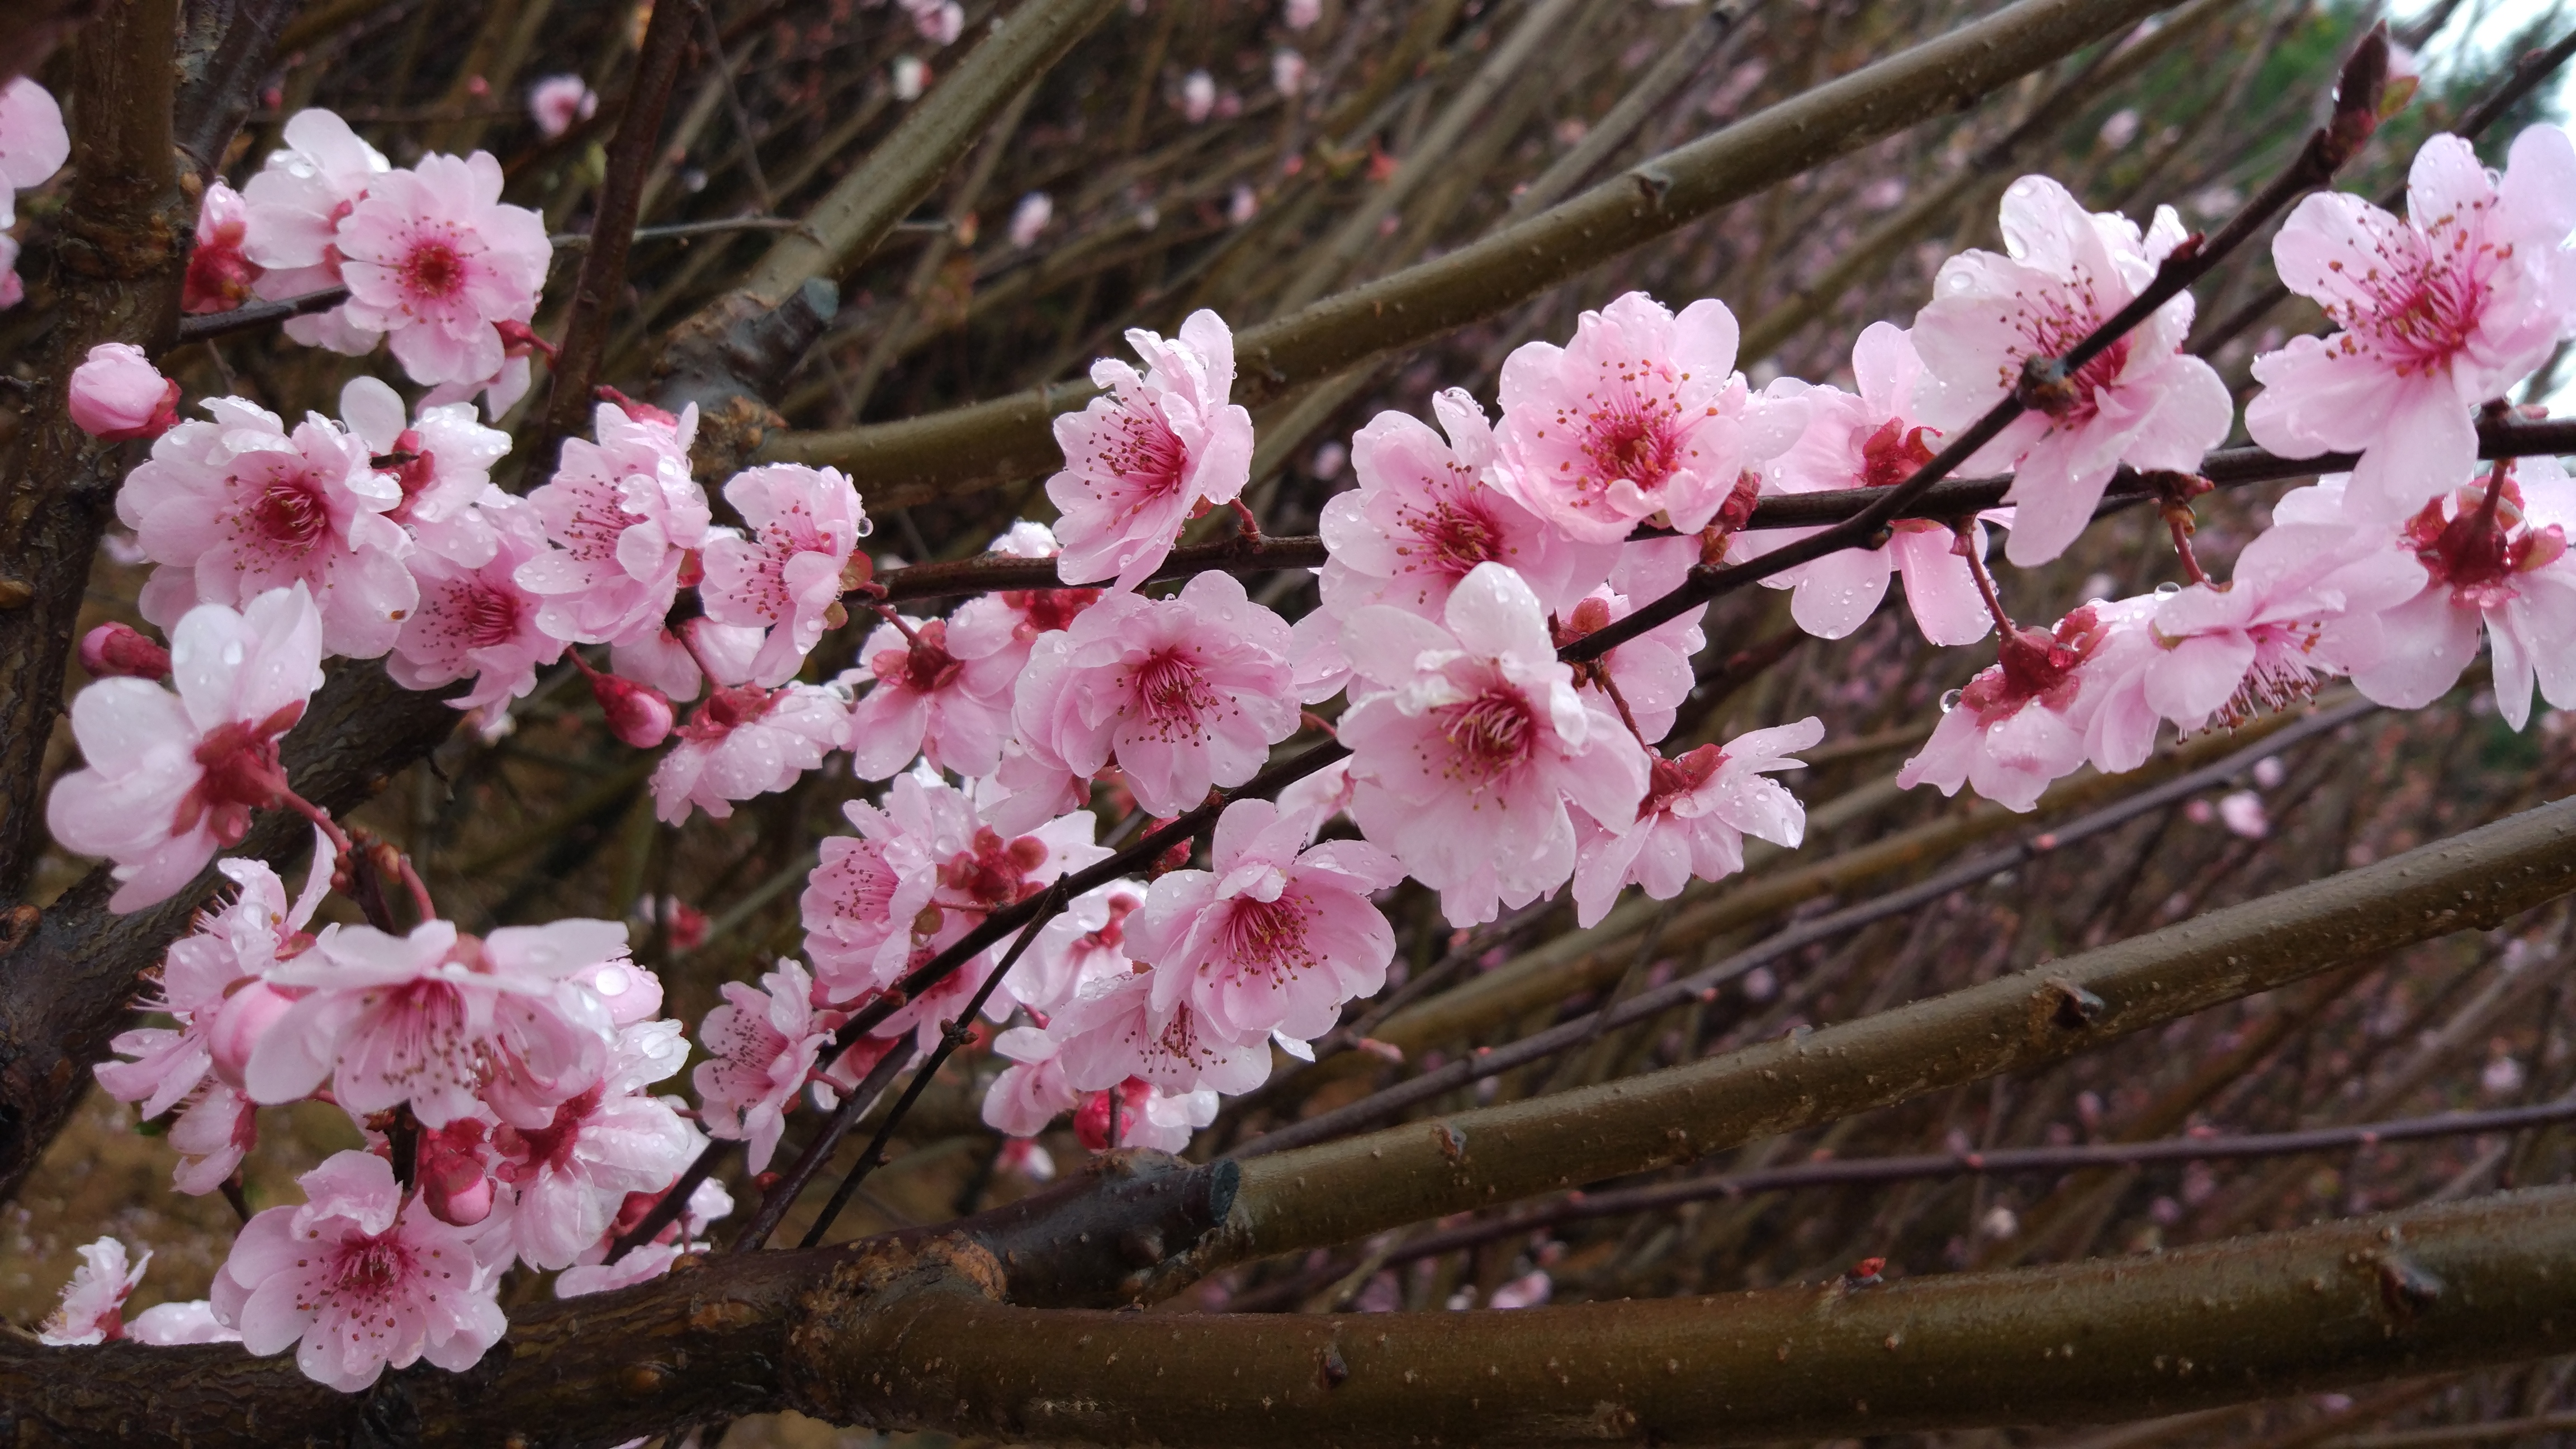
(783, 1193)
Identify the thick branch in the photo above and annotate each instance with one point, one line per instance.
(1339, 1191)
(1010, 437)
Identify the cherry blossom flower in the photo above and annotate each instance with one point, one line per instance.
(93, 1305)
(573, 1174)
(559, 100)
(1141, 461)
(1277, 936)
(1085, 940)
(623, 513)
(1184, 693)
(172, 778)
(1643, 416)
(1301, 14)
(117, 394)
(1145, 1116)
(1692, 823)
(746, 741)
(478, 621)
(220, 277)
(168, 1325)
(760, 1044)
(939, 21)
(434, 259)
(2491, 555)
(357, 1280)
(708, 1202)
(212, 1134)
(237, 506)
(1470, 742)
(1031, 1092)
(2222, 656)
(33, 143)
(1029, 219)
(1651, 673)
(943, 693)
(1111, 1033)
(807, 522)
(1198, 96)
(201, 981)
(1426, 512)
(925, 868)
(441, 1021)
(442, 461)
(2437, 313)
(296, 204)
(2144, 401)
(2021, 723)
(668, 659)
(1873, 441)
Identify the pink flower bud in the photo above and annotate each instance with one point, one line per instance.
(115, 649)
(450, 1172)
(239, 1024)
(118, 394)
(638, 714)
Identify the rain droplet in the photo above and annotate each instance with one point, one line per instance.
(2168, 589)
(1950, 701)
(233, 653)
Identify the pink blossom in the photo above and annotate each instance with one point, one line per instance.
(760, 1044)
(641, 1264)
(1471, 740)
(202, 975)
(559, 100)
(1651, 674)
(220, 277)
(441, 1020)
(117, 394)
(237, 506)
(1029, 219)
(358, 1281)
(1111, 1033)
(172, 778)
(1141, 461)
(1426, 512)
(33, 143)
(213, 1133)
(708, 1202)
(2241, 811)
(1530, 1290)
(13, 288)
(1084, 941)
(2438, 313)
(623, 513)
(112, 650)
(1301, 14)
(434, 258)
(2222, 656)
(746, 741)
(93, 1306)
(924, 869)
(296, 204)
(1031, 1092)
(1643, 416)
(478, 620)
(1277, 936)
(939, 21)
(169, 1325)
(2502, 566)
(572, 1175)
(442, 461)
(1873, 441)
(787, 579)
(943, 694)
(1287, 71)
(668, 659)
(2144, 401)
(638, 714)
(1183, 693)
(1198, 96)
(2021, 723)
(1692, 823)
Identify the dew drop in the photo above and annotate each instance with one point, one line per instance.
(1950, 701)
(233, 654)
(2168, 589)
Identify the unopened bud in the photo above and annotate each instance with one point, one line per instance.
(239, 1024)
(113, 650)
(638, 714)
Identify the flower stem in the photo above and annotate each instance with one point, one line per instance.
(1986, 591)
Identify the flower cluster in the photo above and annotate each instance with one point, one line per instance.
(1481, 749)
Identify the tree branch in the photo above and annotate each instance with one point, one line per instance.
(1339, 1191)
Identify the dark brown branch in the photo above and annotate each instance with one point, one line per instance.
(1339, 1191)
(602, 279)
(226, 48)
(1011, 438)
(245, 318)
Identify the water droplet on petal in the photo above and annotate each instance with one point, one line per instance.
(2168, 589)
(1950, 701)
(233, 654)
